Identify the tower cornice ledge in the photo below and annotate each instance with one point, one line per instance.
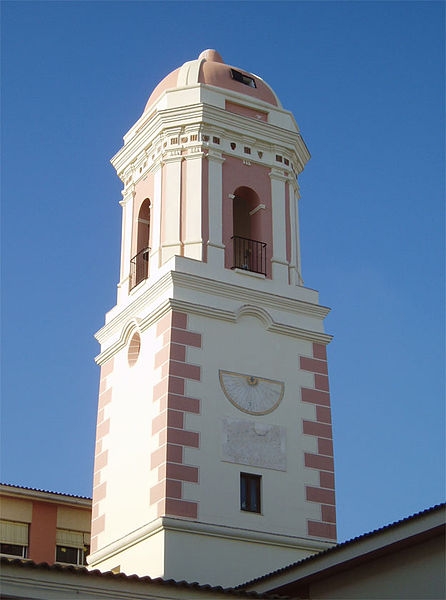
(200, 114)
(304, 545)
(165, 295)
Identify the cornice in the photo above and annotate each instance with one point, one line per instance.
(212, 117)
(233, 316)
(232, 534)
(42, 495)
(251, 301)
(135, 306)
(249, 295)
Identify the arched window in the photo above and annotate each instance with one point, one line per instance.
(139, 265)
(249, 251)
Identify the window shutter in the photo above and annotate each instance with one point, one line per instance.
(14, 533)
(72, 539)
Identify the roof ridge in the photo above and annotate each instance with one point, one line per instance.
(84, 571)
(31, 489)
(343, 544)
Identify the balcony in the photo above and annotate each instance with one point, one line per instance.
(139, 268)
(249, 255)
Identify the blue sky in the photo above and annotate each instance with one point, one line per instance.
(365, 81)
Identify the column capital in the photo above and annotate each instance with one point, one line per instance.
(194, 153)
(128, 193)
(215, 156)
(172, 156)
(278, 174)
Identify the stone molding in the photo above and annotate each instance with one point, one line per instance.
(207, 529)
(238, 128)
(215, 313)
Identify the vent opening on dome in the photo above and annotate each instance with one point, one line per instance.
(242, 78)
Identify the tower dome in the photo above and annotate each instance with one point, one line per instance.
(210, 69)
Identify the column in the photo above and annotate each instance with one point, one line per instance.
(192, 213)
(215, 247)
(155, 218)
(126, 242)
(279, 262)
(171, 206)
(296, 237)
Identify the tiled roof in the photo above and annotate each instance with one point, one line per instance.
(30, 489)
(84, 572)
(342, 545)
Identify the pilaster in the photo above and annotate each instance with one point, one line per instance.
(156, 219)
(215, 247)
(192, 212)
(279, 261)
(171, 206)
(126, 240)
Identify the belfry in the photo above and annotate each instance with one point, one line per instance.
(214, 456)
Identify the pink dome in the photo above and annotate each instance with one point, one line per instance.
(210, 69)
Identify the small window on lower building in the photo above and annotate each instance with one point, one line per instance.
(73, 556)
(250, 492)
(14, 538)
(72, 547)
(13, 550)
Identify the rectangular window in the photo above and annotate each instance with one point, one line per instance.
(242, 78)
(73, 556)
(14, 538)
(13, 550)
(72, 547)
(250, 492)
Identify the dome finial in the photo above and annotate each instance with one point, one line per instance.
(211, 56)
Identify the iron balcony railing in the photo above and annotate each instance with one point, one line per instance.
(139, 268)
(249, 255)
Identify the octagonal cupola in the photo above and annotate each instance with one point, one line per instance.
(210, 173)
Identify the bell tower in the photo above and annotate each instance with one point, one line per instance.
(214, 457)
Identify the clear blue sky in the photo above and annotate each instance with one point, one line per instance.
(365, 81)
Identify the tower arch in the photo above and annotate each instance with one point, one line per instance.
(249, 247)
(139, 264)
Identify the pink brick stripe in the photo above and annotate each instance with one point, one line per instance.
(325, 447)
(320, 428)
(315, 397)
(182, 472)
(317, 429)
(327, 480)
(313, 365)
(320, 351)
(321, 382)
(181, 508)
(315, 461)
(321, 530)
(324, 496)
(170, 424)
(101, 456)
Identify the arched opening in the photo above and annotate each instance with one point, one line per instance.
(249, 252)
(139, 265)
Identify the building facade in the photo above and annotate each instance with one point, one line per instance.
(214, 426)
(44, 527)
